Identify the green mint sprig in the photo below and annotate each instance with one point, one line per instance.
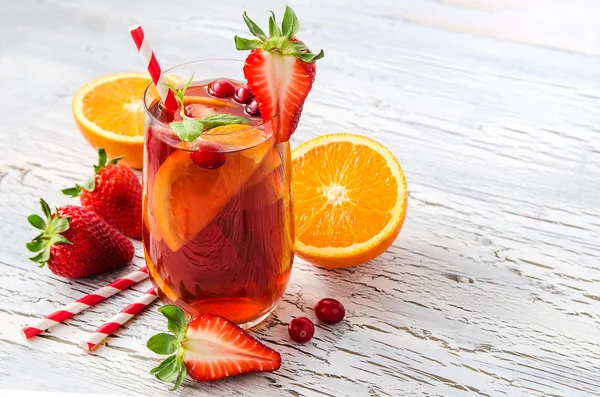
(172, 369)
(189, 129)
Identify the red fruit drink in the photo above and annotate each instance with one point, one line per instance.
(218, 225)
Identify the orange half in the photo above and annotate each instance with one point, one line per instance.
(110, 114)
(350, 199)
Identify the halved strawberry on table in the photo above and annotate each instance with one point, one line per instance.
(280, 70)
(207, 348)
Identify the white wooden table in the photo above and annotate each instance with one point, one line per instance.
(493, 109)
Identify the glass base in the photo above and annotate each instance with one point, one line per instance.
(259, 320)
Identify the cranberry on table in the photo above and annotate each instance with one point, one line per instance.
(252, 109)
(243, 94)
(301, 329)
(221, 88)
(330, 311)
(208, 155)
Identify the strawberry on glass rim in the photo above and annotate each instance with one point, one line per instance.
(280, 71)
(207, 348)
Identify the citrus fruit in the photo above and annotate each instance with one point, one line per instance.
(109, 112)
(349, 199)
(187, 197)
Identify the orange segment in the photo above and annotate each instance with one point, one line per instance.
(349, 199)
(186, 197)
(109, 112)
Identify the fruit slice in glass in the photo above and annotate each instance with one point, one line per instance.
(197, 195)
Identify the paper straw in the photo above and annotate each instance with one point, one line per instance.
(148, 56)
(78, 306)
(109, 327)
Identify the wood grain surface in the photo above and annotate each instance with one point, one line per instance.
(492, 107)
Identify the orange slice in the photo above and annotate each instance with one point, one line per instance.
(349, 199)
(186, 198)
(110, 114)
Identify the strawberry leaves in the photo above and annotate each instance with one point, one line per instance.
(51, 228)
(177, 323)
(254, 28)
(172, 369)
(290, 24)
(281, 39)
(90, 183)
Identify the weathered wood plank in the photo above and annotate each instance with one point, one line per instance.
(492, 288)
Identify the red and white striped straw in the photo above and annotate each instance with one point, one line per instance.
(167, 96)
(109, 327)
(78, 306)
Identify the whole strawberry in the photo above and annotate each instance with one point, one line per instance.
(114, 193)
(75, 242)
(280, 70)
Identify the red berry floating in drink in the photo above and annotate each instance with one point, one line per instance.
(208, 155)
(221, 88)
(330, 311)
(252, 109)
(243, 94)
(301, 329)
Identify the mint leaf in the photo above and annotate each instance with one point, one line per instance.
(163, 343)
(187, 130)
(37, 222)
(290, 24)
(217, 120)
(177, 321)
(245, 44)
(253, 28)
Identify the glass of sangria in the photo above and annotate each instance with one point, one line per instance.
(218, 229)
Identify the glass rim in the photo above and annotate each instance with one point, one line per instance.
(156, 121)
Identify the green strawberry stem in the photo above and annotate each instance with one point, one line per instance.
(172, 369)
(90, 183)
(280, 39)
(52, 227)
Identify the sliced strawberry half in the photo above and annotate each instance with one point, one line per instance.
(208, 348)
(280, 70)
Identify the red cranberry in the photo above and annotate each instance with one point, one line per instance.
(208, 155)
(330, 311)
(252, 109)
(222, 89)
(301, 329)
(243, 94)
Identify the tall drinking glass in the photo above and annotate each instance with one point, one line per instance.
(218, 237)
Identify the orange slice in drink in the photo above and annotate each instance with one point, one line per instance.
(349, 199)
(110, 114)
(186, 197)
